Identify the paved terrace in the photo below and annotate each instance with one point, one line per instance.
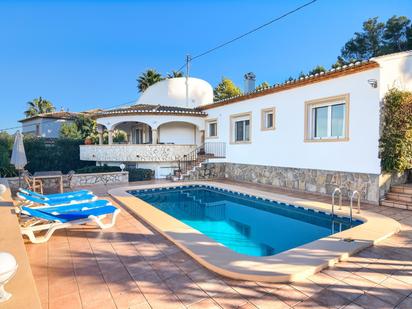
(132, 266)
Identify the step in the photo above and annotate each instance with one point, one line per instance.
(396, 204)
(401, 197)
(407, 189)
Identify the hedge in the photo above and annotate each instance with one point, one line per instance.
(42, 154)
(139, 174)
(396, 140)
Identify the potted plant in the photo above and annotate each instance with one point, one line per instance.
(88, 141)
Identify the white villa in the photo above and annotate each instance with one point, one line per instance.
(311, 134)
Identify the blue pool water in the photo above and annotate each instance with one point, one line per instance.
(246, 224)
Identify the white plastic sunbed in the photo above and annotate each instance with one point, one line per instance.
(51, 220)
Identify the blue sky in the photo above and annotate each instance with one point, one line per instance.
(87, 54)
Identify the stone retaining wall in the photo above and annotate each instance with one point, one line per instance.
(78, 180)
(372, 187)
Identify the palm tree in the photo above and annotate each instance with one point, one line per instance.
(148, 78)
(174, 74)
(39, 106)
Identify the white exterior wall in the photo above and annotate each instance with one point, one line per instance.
(395, 71)
(49, 127)
(177, 133)
(285, 146)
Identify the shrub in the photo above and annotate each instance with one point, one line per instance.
(42, 154)
(61, 154)
(98, 169)
(6, 145)
(396, 141)
(139, 174)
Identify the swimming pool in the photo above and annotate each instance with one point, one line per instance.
(246, 224)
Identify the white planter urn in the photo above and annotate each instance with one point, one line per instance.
(8, 267)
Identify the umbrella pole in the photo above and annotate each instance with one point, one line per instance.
(19, 178)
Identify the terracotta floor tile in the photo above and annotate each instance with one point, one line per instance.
(207, 303)
(309, 303)
(229, 298)
(405, 304)
(330, 299)
(307, 287)
(71, 301)
(269, 301)
(289, 295)
(370, 302)
(397, 286)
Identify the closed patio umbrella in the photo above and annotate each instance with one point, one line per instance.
(18, 155)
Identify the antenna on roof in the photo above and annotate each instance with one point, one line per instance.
(188, 59)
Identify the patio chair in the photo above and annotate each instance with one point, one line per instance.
(32, 185)
(67, 180)
(76, 199)
(42, 220)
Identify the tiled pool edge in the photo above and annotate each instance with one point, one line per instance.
(287, 266)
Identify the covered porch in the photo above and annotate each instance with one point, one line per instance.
(142, 132)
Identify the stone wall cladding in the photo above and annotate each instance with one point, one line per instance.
(306, 180)
(79, 180)
(208, 171)
(134, 153)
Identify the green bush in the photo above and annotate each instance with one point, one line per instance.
(396, 141)
(61, 154)
(139, 174)
(42, 154)
(97, 169)
(6, 145)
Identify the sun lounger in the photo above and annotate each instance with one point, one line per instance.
(76, 199)
(42, 220)
(73, 194)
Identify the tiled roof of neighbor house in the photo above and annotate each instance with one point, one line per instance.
(52, 115)
(61, 115)
(352, 68)
(151, 109)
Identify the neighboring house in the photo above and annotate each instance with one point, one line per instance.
(48, 124)
(312, 134)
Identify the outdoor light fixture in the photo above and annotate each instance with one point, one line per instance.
(373, 82)
(122, 166)
(8, 267)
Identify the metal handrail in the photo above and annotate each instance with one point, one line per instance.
(200, 154)
(354, 193)
(337, 190)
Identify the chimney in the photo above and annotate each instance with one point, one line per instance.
(249, 82)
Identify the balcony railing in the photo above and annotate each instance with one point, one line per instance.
(134, 152)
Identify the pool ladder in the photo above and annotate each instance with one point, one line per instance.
(354, 194)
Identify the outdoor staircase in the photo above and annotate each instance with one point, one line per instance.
(400, 196)
(190, 162)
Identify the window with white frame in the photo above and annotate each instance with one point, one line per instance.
(268, 119)
(241, 128)
(327, 119)
(212, 128)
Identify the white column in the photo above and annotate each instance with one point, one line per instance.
(202, 137)
(100, 138)
(154, 136)
(110, 137)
